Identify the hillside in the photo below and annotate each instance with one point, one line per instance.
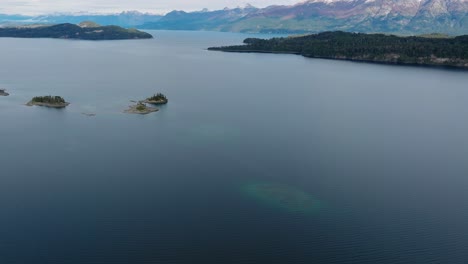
(388, 16)
(71, 31)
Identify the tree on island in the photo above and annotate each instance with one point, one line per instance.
(157, 97)
(49, 99)
(141, 107)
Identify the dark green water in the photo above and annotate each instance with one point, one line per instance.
(382, 150)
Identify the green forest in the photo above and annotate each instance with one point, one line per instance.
(365, 47)
(49, 99)
(157, 97)
(72, 31)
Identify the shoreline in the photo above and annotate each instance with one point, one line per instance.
(160, 102)
(75, 32)
(394, 63)
(31, 103)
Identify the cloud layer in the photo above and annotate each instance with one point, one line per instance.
(111, 6)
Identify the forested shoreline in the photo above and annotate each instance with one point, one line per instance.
(452, 52)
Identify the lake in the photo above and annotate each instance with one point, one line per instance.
(257, 158)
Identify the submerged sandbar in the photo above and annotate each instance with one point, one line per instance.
(282, 196)
(140, 108)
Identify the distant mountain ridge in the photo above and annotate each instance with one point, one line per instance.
(123, 19)
(202, 20)
(388, 16)
(311, 16)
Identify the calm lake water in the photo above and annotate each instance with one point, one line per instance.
(257, 158)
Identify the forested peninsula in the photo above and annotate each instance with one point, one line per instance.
(86, 31)
(379, 48)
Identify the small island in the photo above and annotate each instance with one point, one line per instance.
(156, 99)
(48, 101)
(140, 108)
(377, 48)
(84, 31)
(3, 92)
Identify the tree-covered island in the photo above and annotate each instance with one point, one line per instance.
(3, 92)
(140, 108)
(380, 48)
(156, 99)
(48, 101)
(84, 31)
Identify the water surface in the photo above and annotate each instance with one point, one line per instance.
(383, 148)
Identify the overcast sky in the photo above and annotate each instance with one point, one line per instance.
(110, 6)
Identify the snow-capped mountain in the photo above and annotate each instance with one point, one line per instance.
(394, 16)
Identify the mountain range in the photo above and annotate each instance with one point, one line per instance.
(369, 16)
(123, 19)
(387, 16)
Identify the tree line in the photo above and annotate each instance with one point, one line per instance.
(375, 47)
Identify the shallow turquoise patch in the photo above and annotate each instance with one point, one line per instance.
(282, 196)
